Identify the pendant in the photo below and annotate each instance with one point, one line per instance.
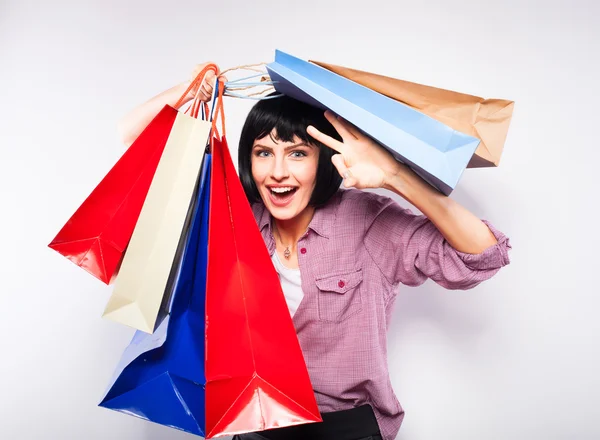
(287, 253)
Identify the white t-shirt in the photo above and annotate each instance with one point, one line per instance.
(291, 283)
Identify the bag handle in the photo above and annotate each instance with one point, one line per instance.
(195, 106)
(218, 111)
(257, 88)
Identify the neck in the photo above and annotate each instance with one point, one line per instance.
(291, 230)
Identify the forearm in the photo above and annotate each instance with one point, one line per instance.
(462, 229)
(132, 124)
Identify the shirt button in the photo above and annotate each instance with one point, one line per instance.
(341, 284)
(303, 250)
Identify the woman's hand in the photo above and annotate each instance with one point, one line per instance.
(362, 162)
(204, 90)
(133, 123)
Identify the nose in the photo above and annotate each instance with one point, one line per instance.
(279, 171)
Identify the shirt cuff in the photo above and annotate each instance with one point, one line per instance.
(494, 257)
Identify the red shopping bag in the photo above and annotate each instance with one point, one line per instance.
(97, 234)
(256, 376)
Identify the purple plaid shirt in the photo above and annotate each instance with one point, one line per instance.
(357, 250)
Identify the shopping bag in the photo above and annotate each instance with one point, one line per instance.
(435, 151)
(144, 272)
(229, 349)
(256, 377)
(485, 119)
(96, 235)
(146, 266)
(160, 377)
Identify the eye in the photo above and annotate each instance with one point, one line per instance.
(261, 153)
(298, 154)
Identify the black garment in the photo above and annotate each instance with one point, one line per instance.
(352, 424)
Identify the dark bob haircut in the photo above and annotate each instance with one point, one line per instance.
(288, 117)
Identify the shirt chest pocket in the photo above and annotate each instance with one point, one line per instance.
(339, 295)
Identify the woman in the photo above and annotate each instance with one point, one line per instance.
(341, 253)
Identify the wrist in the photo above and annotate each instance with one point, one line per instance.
(399, 180)
(181, 89)
(410, 186)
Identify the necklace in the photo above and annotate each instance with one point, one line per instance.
(287, 253)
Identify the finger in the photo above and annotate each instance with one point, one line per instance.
(210, 78)
(207, 88)
(200, 67)
(351, 128)
(204, 95)
(344, 133)
(340, 165)
(325, 139)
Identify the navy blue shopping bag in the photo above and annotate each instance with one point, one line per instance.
(161, 376)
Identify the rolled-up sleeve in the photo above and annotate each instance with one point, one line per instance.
(408, 248)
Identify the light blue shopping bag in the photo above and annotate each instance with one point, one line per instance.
(438, 153)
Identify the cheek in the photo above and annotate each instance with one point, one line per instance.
(258, 171)
(306, 173)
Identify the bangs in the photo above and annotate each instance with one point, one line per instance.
(285, 117)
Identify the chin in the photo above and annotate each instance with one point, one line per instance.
(282, 214)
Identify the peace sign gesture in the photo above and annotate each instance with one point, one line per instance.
(362, 162)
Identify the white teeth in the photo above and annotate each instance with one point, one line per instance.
(282, 190)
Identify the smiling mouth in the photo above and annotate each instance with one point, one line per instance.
(282, 194)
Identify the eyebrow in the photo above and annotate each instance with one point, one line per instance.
(290, 147)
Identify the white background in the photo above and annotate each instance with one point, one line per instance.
(515, 358)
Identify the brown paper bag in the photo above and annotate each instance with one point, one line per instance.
(485, 119)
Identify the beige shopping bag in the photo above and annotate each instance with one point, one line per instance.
(146, 266)
(485, 119)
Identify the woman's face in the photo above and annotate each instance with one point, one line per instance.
(285, 174)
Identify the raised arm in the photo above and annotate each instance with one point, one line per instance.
(448, 243)
(134, 122)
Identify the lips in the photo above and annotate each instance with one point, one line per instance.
(281, 195)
